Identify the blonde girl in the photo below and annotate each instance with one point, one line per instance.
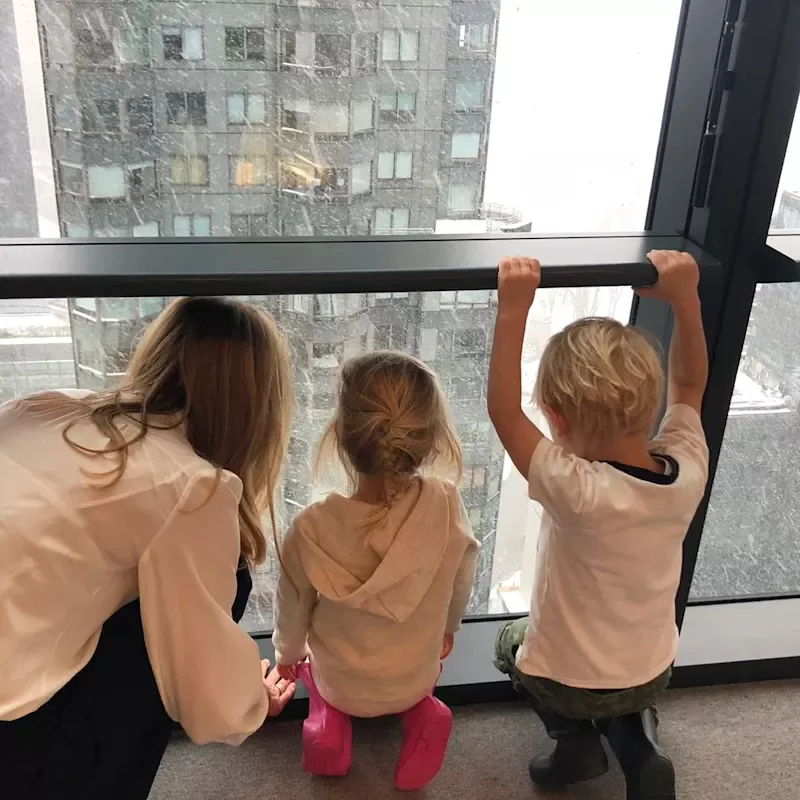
(375, 582)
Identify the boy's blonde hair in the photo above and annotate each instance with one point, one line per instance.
(603, 377)
(392, 420)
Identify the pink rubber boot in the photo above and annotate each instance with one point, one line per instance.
(327, 733)
(426, 732)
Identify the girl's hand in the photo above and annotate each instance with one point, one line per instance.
(447, 646)
(287, 671)
(279, 691)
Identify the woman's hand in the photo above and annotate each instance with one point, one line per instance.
(279, 690)
(447, 646)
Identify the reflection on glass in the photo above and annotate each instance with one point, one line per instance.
(220, 96)
(750, 543)
(786, 215)
(86, 342)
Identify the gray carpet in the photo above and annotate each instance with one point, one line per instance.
(727, 742)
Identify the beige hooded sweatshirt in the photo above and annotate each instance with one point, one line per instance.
(372, 606)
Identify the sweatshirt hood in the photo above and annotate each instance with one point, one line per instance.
(386, 570)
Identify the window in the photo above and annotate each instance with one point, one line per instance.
(73, 231)
(248, 170)
(461, 198)
(469, 95)
(60, 109)
(244, 44)
(398, 106)
(474, 37)
(249, 225)
(44, 46)
(400, 45)
(362, 116)
(191, 225)
(392, 220)
(183, 44)
(297, 49)
(295, 115)
(140, 114)
(132, 46)
(186, 108)
(70, 178)
(465, 145)
(147, 230)
(189, 170)
(95, 47)
(101, 116)
(470, 298)
(106, 183)
(142, 180)
(365, 52)
(469, 343)
(332, 53)
(329, 118)
(246, 108)
(394, 166)
(361, 178)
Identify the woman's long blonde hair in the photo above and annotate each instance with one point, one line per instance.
(391, 421)
(221, 368)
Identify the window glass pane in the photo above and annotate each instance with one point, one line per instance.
(786, 216)
(50, 333)
(126, 81)
(383, 220)
(461, 198)
(402, 165)
(750, 543)
(106, 182)
(361, 176)
(182, 225)
(385, 166)
(146, 229)
(465, 145)
(401, 219)
(202, 225)
(256, 110)
(236, 115)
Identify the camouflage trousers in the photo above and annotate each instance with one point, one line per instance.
(568, 701)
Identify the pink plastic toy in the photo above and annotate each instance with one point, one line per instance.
(327, 738)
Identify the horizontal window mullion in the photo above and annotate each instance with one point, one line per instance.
(136, 268)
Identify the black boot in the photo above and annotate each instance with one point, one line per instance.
(649, 773)
(578, 754)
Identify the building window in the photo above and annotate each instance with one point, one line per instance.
(142, 180)
(133, 46)
(101, 116)
(60, 108)
(330, 119)
(191, 225)
(400, 45)
(73, 231)
(70, 178)
(467, 298)
(363, 116)
(469, 95)
(398, 106)
(365, 52)
(147, 230)
(249, 225)
(140, 114)
(395, 166)
(183, 44)
(332, 53)
(392, 220)
(461, 198)
(248, 170)
(361, 178)
(95, 47)
(245, 108)
(296, 115)
(44, 46)
(474, 37)
(106, 183)
(244, 44)
(465, 145)
(469, 342)
(189, 170)
(186, 108)
(297, 49)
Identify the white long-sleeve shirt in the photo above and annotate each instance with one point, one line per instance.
(373, 605)
(72, 554)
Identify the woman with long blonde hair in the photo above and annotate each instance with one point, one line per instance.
(128, 520)
(374, 584)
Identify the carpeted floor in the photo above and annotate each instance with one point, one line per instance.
(727, 742)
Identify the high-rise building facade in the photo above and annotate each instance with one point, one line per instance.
(285, 118)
